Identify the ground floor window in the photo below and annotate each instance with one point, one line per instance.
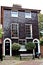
(28, 30)
(14, 30)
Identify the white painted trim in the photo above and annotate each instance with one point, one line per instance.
(38, 44)
(4, 46)
(31, 30)
(0, 26)
(14, 37)
(29, 38)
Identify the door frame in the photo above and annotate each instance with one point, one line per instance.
(4, 46)
(38, 42)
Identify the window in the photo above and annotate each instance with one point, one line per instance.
(22, 41)
(14, 14)
(27, 14)
(28, 30)
(14, 30)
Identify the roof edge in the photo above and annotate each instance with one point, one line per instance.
(7, 7)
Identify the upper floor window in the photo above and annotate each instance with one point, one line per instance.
(14, 14)
(27, 14)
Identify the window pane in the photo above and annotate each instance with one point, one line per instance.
(28, 15)
(14, 14)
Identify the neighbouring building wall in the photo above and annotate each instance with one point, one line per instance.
(0, 14)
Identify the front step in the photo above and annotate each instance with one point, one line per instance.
(7, 58)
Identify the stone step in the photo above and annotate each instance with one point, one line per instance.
(8, 58)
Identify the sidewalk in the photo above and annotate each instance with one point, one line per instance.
(15, 62)
(31, 62)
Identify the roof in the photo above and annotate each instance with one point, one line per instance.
(20, 8)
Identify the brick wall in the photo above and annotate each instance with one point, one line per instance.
(0, 14)
(41, 49)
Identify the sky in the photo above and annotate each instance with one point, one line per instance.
(32, 4)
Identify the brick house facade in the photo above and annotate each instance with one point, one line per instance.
(19, 24)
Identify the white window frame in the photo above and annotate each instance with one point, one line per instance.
(29, 15)
(17, 30)
(30, 31)
(13, 14)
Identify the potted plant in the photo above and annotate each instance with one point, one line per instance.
(30, 46)
(41, 47)
(15, 48)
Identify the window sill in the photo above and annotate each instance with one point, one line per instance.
(14, 37)
(28, 18)
(29, 37)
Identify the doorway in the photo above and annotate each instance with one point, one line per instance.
(37, 49)
(7, 47)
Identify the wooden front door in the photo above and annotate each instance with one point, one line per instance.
(36, 49)
(7, 48)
